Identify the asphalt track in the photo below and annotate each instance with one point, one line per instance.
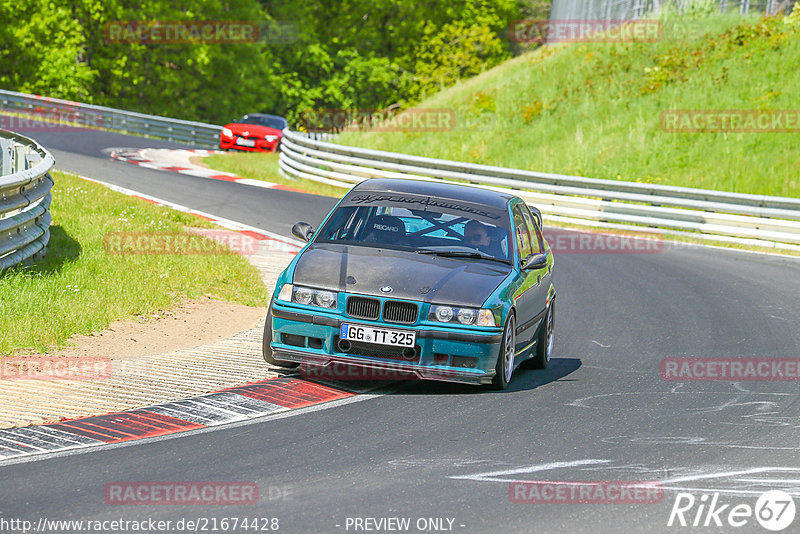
(427, 450)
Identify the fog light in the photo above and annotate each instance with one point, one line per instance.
(465, 362)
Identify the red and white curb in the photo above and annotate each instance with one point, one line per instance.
(141, 158)
(274, 241)
(229, 405)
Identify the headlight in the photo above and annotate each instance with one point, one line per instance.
(326, 299)
(227, 132)
(270, 138)
(444, 314)
(303, 295)
(307, 296)
(465, 316)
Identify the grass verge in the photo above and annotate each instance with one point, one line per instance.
(79, 288)
(264, 166)
(594, 109)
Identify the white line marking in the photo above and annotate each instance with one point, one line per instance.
(730, 474)
(721, 490)
(493, 476)
(770, 480)
(256, 183)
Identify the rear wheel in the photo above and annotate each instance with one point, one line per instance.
(266, 350)
(505, 360)
(544, 344)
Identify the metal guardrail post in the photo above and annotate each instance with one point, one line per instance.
(25, 195)
(5, 156)
(18, 155)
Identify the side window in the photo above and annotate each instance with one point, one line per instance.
(522, 233)
(537, 243)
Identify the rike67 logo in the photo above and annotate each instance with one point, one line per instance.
(774, 510)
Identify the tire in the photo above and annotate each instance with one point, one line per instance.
(544, 344)
(505, 367)
(266, 350)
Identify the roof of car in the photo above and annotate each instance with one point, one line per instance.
(446, 190)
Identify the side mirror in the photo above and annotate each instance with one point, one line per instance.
(534, 261)
(538, 215)
(303, 230)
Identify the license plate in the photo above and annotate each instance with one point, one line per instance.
(381, 336)
(245, 142)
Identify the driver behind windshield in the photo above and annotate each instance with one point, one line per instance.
(477, 235)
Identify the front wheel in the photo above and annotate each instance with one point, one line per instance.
(505, 360)
(266, 350)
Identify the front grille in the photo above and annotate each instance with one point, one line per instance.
(395, 311)
(376, 350)
(363, 308)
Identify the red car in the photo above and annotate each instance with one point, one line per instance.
(255, 132)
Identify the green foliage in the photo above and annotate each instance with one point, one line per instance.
(454, 52)
(594, 109)
(80, 287)
(348, 54)
(23, 33)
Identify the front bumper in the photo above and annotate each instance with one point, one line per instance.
(261, 145)
(441, 354)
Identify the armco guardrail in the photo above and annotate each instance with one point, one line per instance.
(25, 185)
(51, 110)
(681, 211)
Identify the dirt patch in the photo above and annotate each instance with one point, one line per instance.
(193, 323)
(198, 160)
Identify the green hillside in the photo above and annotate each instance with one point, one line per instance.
(595, 109)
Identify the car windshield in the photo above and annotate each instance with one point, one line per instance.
(264, 120)
(446, 232)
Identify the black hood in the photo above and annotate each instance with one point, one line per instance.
(364, 270)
